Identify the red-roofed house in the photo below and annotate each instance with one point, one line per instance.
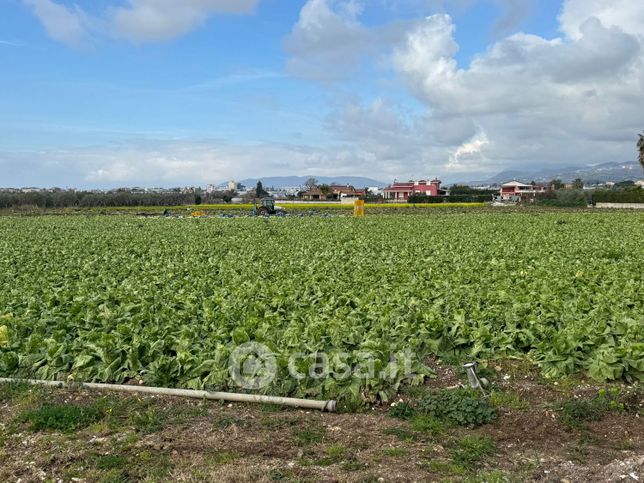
(402, 191)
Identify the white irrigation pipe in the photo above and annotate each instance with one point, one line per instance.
(163, 391)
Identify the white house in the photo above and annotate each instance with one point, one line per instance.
(516, 189)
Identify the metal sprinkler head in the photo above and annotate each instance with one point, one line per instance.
(475, 381)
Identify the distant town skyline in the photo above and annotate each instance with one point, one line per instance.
(108, 93)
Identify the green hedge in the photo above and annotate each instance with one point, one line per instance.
(563, 198)
(450, 199)
(628, 195)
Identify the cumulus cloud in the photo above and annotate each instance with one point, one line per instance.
(329, 43)
(512, 12)
(68, 25)
(327, 40)
(535, 99)
(137, 21)
(517, 71)
(627, 15)
(155, 20)
(400, 142)
(163, 162)
(525, 101)
(384, 134)
(469, 155)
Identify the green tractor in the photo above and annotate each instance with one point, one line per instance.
(266, 207)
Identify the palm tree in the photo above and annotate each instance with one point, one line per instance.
(640, 147)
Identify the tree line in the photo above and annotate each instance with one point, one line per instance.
(88, 199)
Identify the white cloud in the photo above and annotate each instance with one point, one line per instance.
(165, 162)
(155, 20)
(401, 143)
(138, 21)
(385, 134)
(329, 43)
(511, 12)
(469, 155)
(525, 101)
(536, 100)
(63, 24)
(627, 15)
(328, 40)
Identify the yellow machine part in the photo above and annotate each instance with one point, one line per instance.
(358, 208)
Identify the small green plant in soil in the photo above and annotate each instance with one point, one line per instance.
(279, 475)
(402, 434)
(224, 458)
(463, 407)
(65, 418)
(444, 467)
(414, 392)
(309, 435)
(334, 454)
(336, 451)
(427, 424)
(402, 410)
(10, 391)
(508, 400)
(575, 412)
(111, 462)
(395, 452)
(353, 465)
(147, 420)
(470, 450)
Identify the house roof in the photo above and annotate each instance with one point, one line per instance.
(400, 187)
(344, 189)
(336, 189)
(420, 185)
(514, 183)
(410, 187)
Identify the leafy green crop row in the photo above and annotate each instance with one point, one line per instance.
(167, 300)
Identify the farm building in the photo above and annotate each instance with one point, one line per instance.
(402, 191)
(334, 192)
(516, 190)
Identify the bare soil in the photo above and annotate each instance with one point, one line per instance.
(169, 439)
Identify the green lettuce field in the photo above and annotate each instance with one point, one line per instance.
(166, 301)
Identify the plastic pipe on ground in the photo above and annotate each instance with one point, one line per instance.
(329, 406)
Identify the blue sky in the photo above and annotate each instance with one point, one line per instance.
(103, 93)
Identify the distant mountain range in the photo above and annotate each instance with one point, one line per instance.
(601, 173)
(598, 173)
(295, 181)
